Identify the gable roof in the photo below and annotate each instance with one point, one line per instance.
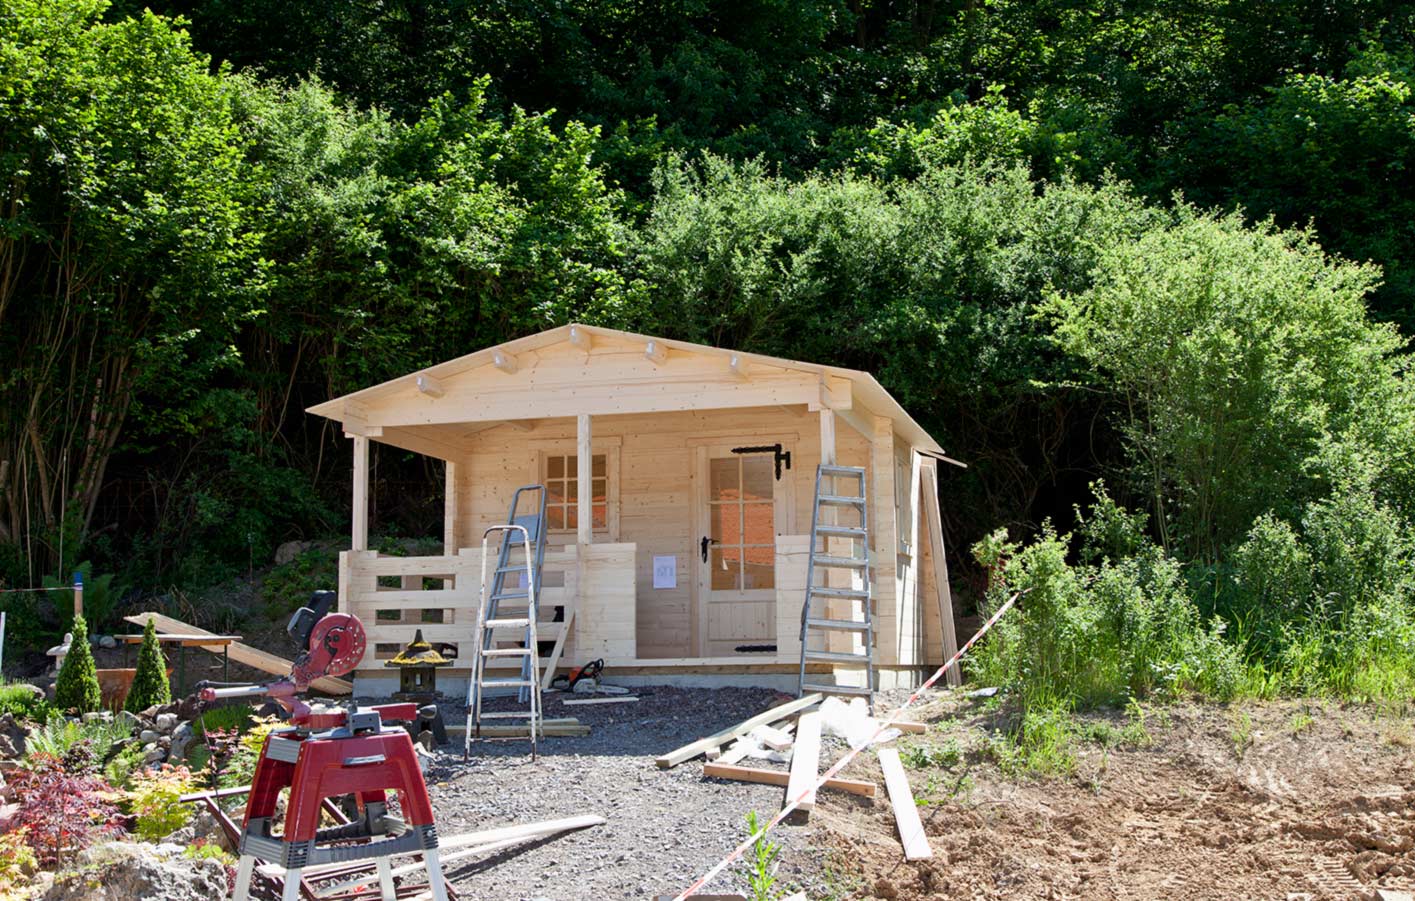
(865, 390)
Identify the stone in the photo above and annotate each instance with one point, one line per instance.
(12, 737)
(98, 716)
(107, 641)
(129, 719)
(148, 735)
(287, 552)
(125, 870)
(181, 737)
(153, 754)
(189, 708)
(166, 722)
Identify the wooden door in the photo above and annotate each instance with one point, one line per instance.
(739, 505)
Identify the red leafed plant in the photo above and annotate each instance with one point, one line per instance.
(63, 813)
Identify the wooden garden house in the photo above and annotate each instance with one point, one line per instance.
(680, 485)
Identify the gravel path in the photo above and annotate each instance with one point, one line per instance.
(665, 827)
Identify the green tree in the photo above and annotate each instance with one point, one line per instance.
(77, 685)
(150, 686)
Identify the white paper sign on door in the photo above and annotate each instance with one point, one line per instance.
(665, 571)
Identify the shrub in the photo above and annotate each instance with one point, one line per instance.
(155, 799)
(81, 747)
(77, 685)
(150, 686)
(23, 704)
(61, 813)
(17, 863)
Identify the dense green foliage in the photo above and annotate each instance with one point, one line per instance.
(76, 687)
(150, 686)
(1164, 244)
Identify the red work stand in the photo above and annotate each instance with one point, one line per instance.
(339, 752)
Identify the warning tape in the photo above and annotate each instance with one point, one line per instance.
(850, 755)
(27, 590)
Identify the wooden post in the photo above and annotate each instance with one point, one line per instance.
(584, 500)
(827, 436)
(359, 539)
(450, 541)
(78, 594)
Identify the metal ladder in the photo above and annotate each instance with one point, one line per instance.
(815, 619)
(523, 534)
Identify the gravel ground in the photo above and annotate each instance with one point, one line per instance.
(665, 827)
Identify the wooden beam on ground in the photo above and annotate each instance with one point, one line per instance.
(620, 699)
(776, 777)
(906, 812)
(693, 749)
(243, 653)
(912, 728)
(805, 763)
(776, 739)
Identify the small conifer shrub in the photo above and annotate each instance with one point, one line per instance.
(77, 685)
(150, 685)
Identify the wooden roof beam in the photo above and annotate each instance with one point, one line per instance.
(737, 366)
(581, 338)
(430, 386)
(656, 353)
(505, 362)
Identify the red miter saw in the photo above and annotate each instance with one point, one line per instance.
(328, 752)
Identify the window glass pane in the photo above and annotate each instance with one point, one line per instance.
(571, 520)
(571, 465)
(724, 570)
(601, 516)
(597, 465)
(572, 490)
(723, 479)
(555, 491)
(599, 490)
(555, 517)
(722, 521)
(554, 467)
(758, 474)
(758, 524)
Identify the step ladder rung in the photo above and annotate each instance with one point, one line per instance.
(506, 683)
(841, 500)
(847, 625)
(841, 531)
(842, 470)
(520, 622)
(837, 656)
(858, 594)
(837, 689)
(848, 562)
(510, 596)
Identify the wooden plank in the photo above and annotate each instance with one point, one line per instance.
(906, 812)
(912, 728)
(584, 498)
(776, 739)
(553, 660)
(244, 653)
(928, 491)
(359, 539)
(776, 777)
(616, 700)
(693, 749)
(805, 762)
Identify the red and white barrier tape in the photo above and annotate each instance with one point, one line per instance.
(850, 755)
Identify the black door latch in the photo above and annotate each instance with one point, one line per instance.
(778, 455)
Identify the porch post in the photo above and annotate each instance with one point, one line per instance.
(827, 436)
(584, 499)
(359, 540)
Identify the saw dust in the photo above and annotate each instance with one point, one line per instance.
(1280, 800)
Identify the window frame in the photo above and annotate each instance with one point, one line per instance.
(610, 450)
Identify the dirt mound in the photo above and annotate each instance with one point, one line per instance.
(1271, 801)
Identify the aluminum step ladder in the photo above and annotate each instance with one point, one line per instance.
(841, 603)
(506, 612)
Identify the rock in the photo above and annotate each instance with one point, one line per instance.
(165, 743)
(153, 754)
(99, 716)
(166, 722)
(25, 686)
(129, 719)
(12, 737)
(189, 708)
(107, 641)
(181, 738)
(288, 551)
(148, 735)
(124, 870)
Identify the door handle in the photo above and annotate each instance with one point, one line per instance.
(703, 545)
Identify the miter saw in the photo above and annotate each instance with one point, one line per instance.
(330, 751)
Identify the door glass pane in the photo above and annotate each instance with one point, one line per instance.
(599, 490)
(555, 492)
(555, 517)
(717, 513)
(601, 516)
(758, 474)
(723, 480)
(572, 521)
(597, 465)
(760, 568)
(724, 569)
(758, 526)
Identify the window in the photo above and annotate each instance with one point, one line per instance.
(562, 491)
(741, 522)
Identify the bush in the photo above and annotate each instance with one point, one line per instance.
(150, 686)
(83, 748)
(61, 813)
(155, 799)
(23, 704)
(77, 685)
